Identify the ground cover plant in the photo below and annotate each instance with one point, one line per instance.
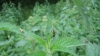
(67, 28)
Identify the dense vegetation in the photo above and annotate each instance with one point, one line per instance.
(66, 28)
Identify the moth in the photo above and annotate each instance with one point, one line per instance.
(21, 30)
(53, 32)
(86, 40)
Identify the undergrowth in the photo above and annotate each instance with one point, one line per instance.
(67, 28)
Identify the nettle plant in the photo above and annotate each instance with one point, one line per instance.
(11, 13)
(62, 22)
(49, 46)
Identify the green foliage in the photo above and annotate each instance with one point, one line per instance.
(92, 49)
(10, 13)
(49, 47)
(38, 53)
(67, 28)
(64, 43)
(9, 27)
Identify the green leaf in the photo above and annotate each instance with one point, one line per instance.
(92, 49)
(63, 44)
(38, 53)
(78, 3)
(9, 27)
(36, 37)
(35, 28)
(21, 43)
